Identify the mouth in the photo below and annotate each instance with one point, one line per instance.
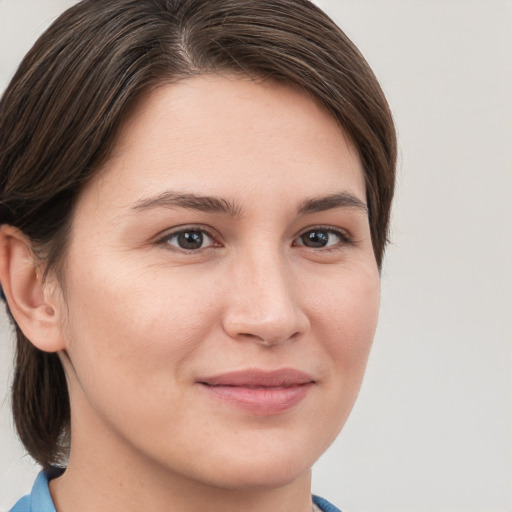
(260, 392)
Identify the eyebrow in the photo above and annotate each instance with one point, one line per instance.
(211, 204)
(330, 202)
(206, 204)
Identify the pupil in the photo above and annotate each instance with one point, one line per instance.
(190, 240)
(315, 239)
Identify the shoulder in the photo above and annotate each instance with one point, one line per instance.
(324, 505)
(22, 505)
(39, 499)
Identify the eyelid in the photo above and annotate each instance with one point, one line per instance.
(163, 237)
(345, 237)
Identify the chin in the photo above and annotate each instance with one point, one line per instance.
(267, 469)
(260, 478)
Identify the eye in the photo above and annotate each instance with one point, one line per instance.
(318, 238)
(191, 239)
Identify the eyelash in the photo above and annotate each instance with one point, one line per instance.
(188, 229)
(344, 238)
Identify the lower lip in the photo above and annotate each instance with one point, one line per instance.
(261, 400)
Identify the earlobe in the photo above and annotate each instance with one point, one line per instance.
(32, 304)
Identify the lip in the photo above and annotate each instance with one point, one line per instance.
(259, 391)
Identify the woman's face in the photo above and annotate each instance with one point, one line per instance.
(221, 291)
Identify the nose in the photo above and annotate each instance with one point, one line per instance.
(264, 303)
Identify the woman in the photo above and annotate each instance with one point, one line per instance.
(195, 201)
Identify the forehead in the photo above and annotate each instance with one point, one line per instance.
(230, 135)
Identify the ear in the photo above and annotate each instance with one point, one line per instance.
(33, 304)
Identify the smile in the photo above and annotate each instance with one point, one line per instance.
(260, 392)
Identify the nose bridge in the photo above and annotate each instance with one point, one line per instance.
(264, 304)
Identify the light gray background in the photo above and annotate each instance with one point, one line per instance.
(432, 428)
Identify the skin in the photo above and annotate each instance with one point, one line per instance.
(138, 320)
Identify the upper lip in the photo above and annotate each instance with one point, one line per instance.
(285, 377)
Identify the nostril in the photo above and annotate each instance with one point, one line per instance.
(272, 325)
(268, 341)
(248, 335)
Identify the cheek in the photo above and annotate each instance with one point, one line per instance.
(133, 324)
(346, 314)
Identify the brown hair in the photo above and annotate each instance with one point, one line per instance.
(62, 110)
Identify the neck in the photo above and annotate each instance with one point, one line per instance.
(101, 489)
(105, 475)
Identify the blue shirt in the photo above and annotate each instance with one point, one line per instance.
(39, 500)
